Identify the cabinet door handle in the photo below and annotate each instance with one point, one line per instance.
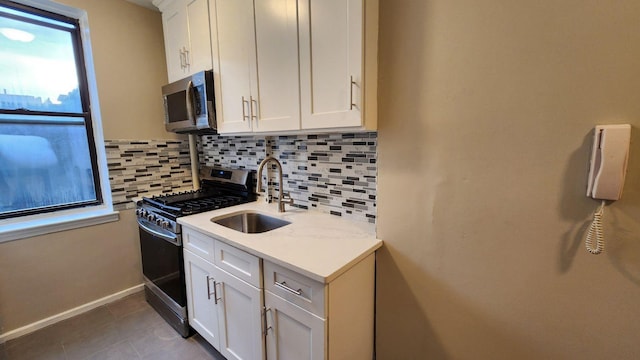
(351, 103)
(245, 117)
(254, 114)
(283, 285)
(209, 288)
(187, 62)
(267, 327)
(181, 59)
(215, 292)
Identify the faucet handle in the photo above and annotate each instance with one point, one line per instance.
(286, 198)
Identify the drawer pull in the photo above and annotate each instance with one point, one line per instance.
(283, 285)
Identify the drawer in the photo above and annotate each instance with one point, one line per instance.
(295, 288)
(198, 243)
(239, 263)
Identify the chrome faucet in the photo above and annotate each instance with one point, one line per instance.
(283, 198)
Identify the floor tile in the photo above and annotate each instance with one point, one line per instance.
(139, 322)
(79, 326)
(93, 341)
(35, 351)
(128, 305)
(127, 329)
(207, 349)
(156, 340)
(120, 351)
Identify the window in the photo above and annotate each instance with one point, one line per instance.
(47, 150)
(53, 173)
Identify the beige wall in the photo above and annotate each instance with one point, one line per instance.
(485, 118)
(128, 51)
(46, 275)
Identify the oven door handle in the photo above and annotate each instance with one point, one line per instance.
(172, 239)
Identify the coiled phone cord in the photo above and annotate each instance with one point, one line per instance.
(595, 230)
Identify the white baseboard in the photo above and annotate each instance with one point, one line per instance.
(67, 314)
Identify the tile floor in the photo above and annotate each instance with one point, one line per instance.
(125, 329)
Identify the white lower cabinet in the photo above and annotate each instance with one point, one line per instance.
(252, 309)
(201, 300)
(240, 318)
(292, 333)
(224, 310)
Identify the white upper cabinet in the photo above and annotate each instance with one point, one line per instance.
(176, 35)
(279, 65)
(186, 35)
(256, 65)
(233, 50)
(331, 63)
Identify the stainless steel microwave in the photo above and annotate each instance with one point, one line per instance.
(189, 104)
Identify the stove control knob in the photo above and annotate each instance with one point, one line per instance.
(151, 217)
(158, 221)
(165, 224)
(138, 212)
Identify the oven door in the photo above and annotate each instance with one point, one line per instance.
(163, 265)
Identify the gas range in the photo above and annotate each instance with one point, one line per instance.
(161, 236)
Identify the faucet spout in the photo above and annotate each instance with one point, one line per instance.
(283, 198)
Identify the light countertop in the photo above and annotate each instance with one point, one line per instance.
(315, 244)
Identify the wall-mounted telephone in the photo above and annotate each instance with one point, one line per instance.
(607, 171)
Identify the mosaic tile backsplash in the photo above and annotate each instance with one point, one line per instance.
(332, 173)
(137, 168)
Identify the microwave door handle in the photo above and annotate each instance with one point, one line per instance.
(190, 102)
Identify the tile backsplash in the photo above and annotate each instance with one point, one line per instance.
(332, 173)
(138, 167)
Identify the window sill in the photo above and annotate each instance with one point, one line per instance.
(30, 226)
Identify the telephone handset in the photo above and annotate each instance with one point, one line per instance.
(607, 171)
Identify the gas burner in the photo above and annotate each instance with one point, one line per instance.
(174, 199)
(220, 188)
(206, 204)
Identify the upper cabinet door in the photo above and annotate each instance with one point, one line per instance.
(187, 38)
(199, 51)
(331, 63)
(276, 104)
(234, 63)
(176, 39)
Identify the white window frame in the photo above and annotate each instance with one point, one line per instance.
(45, 223)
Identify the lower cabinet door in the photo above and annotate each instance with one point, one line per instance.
(293, 333)
(201, 282)
(240, 316)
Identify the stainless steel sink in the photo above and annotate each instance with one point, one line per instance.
(250, 222)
